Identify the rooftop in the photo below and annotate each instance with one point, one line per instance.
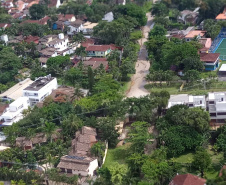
(100, 47)
(221, 16)
(39, 83)
(223, 68)
(17, 90)
(209, 57)
(194, 33)
(89, 25)
(187, 179)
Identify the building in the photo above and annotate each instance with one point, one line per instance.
(216, 105)
(189, 100)
(54, 3)
(13, 113)
(66, 17)
(194, 33)
(75, 27)
(211, 60)
(99, 50)
(206, 44)
(187, 179)
(109, 17)
(188, 16)
(120, 2)
(221, 16)
(95, 63)
(79, 161)
(16, 91)
(88, 27)
(40, 88)
(3, 26)
(82, 166)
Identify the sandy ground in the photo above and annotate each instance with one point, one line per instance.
(142, 65)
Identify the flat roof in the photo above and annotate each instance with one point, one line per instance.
(223, 67)
(194, 33)
(39, 83)
(17, 90)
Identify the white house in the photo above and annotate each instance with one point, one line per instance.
(14, 112)
(79, 165)
(197, 101)
(216, 105)
(40, 88)
(60, 43)
(75, 27)
(109, 17)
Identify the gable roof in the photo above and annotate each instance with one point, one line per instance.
(76, 23)
(209, 57)
(98, 48)
(187, 179)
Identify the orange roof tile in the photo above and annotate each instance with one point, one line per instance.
(194, 33)
(221, 16)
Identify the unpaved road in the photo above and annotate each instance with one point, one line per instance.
(142, 65)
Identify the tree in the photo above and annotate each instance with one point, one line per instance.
(77, 38)
(201, 160)
(90, 78)
(193, 64)
(49, 129)
(192, 76)
(37, 11)
(158, 30)
(81, 51)
(126, 68)
(160, 9)
(118, 173)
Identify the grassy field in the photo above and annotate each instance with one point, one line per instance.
(211, 173)
(116, 155)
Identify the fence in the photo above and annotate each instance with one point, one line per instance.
(218, 40)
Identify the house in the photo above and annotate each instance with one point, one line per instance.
(82, 166)
(95, 63)
(24, 143)
(206, 44)
(78, 161)
(189, 100)
(88, 42)
(7, 4)
(221, 16)
(99, 50)
(187, 179)
(3, 26)
(54, 3)
(109, 17)
(88, 27)
(16, 91)
(31, 38)
(21, 5)
(44, 20)
(75, 27)
(47, 53)
(39, 139)
(14, 112)
(216, 105)
(194, 33)
(211, 60)
(66, 17)
(187, 16)
(40, 88)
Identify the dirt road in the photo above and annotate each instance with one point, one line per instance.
(142, 66)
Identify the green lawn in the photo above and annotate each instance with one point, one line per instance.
(116, 155)
(213, 171)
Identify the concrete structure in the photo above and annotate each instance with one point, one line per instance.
(40, 88)
(16, 91)
(14, 112)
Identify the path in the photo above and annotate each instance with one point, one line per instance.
(142, 65)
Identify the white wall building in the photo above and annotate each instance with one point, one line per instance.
(75, 27)
(14, 112)
(61, 43)
(40, 88)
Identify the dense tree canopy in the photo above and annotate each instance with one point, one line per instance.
(37, 11)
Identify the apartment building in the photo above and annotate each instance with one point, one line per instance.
(40, 88)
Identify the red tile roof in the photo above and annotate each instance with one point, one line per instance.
(4, 25)
(44, 20)
(65, 17)
(31, 21)
(187, 179)
(30, 39)
(88, 42)
(209, 57)
(100, 47)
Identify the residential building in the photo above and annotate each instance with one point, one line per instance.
(187, 179)
(211, 60)
(16, 91)
(3, 26)
(216, 105)
(13, 113)
(109, 17)
(120, 2)
(82, 166)
(95, 63)
(7, 4)
(188, 16)
(194, 33)
(54, 3)
(99, 50)
(189, 100)
(75, 27)
(88, 27)
(67, 17)
(79, 161)
(206, 44)
(221, 16)
(40, 88)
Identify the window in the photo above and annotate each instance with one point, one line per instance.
(20, 107)
(200, 101)
(222, 99)
(62, 169)
(221, 113)
(190, 105)
(69, 170)
(211, 102)
(212, 114)
(35, 94)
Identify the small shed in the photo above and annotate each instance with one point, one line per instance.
(222, 70)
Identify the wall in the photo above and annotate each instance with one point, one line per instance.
(92, 166)
(105, 152)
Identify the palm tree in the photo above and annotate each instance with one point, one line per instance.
(49, 129)
(78, 94)
(81, 51)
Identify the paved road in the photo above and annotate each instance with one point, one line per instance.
(142, 65)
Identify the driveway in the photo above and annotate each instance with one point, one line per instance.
(142, 65)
